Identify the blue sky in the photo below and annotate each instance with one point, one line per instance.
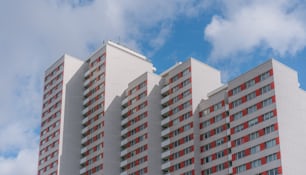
(230, 35)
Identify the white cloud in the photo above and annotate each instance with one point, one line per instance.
(25, 163)
(34, 33)
(248, 25)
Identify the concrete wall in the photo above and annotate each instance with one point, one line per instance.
(122, 66)
(154, 127)
(291, 110)
(70, 137)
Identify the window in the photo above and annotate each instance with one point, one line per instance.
(237, 115)
(218, 117)
(186, 104)
(187, 127)
(186, 82)
(240, 154)
(271, 157)
(219, 142)
(206, 123)
(188, 173)
(217, 106)
(175, 110)
(143, 84)
(241, 168)
(250, 83)
(208, 171)
(268, 115)
(253, 122)
(186, 71)
(220, 154)
(207, 135)
(186, 115)
(264, 76)
(142, 95)
(176, 77)
(176, 166)
(239, 141)
(176, 132)
(272, 172)
(206, 112)
(236, 90)
(175, 99)
(255, 149)
(256, 163)
(218, 130)
(188, 150)
(269, 129)
(250, 96)
(208, 159)
(186, 93)
(270, 143)
(176, 121)
(265, 89)
(252, 109)
(237, 103)
(238, 128)
(267, 102)
(207, 147)
(220, 167)
(175, 88)
(254, 135)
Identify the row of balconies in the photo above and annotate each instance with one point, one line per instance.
(166, 131)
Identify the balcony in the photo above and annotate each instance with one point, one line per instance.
(124, 121)
(123, 142)
(165, 143)
(85, 111)
(83, 150)
(87, 73)
(84, 130)
(124, 173)
(123, 132)
(84, 120)
(165, 89)
(124, 111)
(83, 170)
(165, 110)
(84, 140)
(123, 163)
(165, 154)
(86, 92)
(83, 160)
(85, 101)
(124, 101)
(166, 165)
(165, 100)
(165, 121)
(165, 132)
(123, 152)
(86, 83)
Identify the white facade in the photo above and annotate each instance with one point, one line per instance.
(111, 114)
(61, 118)
(291, 108)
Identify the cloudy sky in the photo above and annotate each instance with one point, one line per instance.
(231, 35)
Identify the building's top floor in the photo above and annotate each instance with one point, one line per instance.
(268, 65)
(263, 70)
(120, 47)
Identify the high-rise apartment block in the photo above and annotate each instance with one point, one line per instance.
(113, 115)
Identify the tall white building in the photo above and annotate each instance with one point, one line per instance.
(61, 115)
(112, 114)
